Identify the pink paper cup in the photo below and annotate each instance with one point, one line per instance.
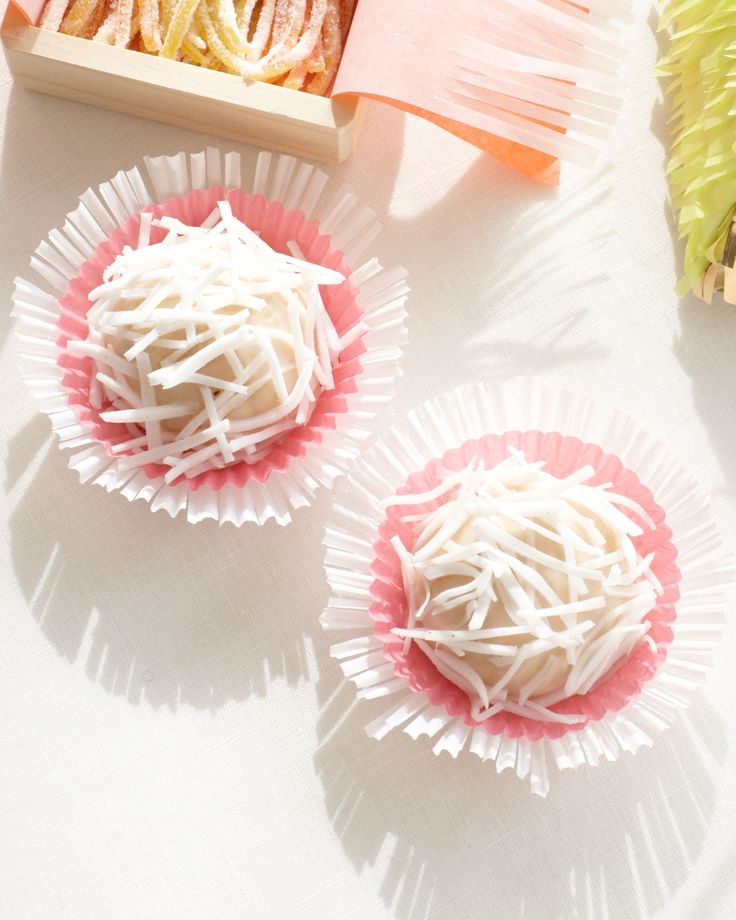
(277, 227)
(637, 697)
(562, 456)
(309, 455)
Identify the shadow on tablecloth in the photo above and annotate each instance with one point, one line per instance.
(705, 349)
(156, 610)
(453, 839)
(515, 259)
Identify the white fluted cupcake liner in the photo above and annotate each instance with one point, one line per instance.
(298, 187)
(449, 421)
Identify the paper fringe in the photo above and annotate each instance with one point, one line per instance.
(541, 73)
(523, 404)
(698, 73)
(298, 186)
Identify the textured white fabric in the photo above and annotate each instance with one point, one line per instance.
(176, 741)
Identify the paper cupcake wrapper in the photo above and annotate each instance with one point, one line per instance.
(277, 227)
(563, 455)
(48, 308)
(470, 413)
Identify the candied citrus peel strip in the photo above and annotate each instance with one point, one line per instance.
(181, 20)
(53, 14)
(280, 60)
(150, 25)
(77, 17)
(332, 49)
(226, 23)
(124, 21)
(217, 47)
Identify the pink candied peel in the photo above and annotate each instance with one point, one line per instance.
(563, 455)
(277, 227)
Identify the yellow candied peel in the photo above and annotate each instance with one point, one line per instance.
(181, 20)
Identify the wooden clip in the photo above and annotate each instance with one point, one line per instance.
(729, 250)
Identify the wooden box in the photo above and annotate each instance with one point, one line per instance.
(179, 94)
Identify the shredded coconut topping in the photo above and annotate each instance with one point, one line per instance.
(524, 588)
(209, 346)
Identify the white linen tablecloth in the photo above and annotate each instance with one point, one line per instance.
(176, 741)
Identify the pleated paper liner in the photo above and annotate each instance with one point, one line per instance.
(562, 456)
(637, 699)
(285, 202)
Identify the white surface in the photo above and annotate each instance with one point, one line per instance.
(176, 742)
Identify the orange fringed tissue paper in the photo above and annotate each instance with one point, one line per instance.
(531, 82)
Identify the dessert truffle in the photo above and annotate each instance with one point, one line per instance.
(208, 346)
(523, 588)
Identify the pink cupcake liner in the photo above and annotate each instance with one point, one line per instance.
(277, 227)
(563, 455)
(284, 204)
(632, 703)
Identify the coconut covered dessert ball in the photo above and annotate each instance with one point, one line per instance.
(208, 346)
(523, 588)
